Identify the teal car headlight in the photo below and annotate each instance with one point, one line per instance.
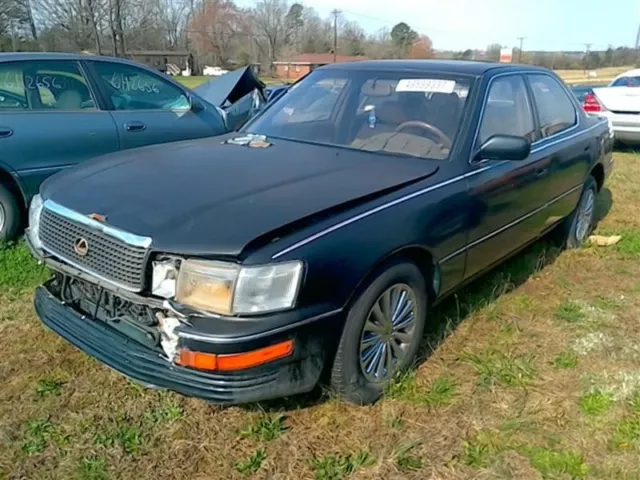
(35, 212)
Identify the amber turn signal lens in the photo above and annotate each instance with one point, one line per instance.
(235, 361)
(199, 360)
(239, 361)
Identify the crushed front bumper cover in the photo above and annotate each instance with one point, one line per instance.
(289, 376)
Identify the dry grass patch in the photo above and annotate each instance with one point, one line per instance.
(532, 372)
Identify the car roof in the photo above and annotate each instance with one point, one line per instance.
(21, 56)
(465, 67)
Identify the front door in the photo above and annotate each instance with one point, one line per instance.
(150, 109)
(507, 197)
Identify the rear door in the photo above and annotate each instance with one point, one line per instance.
(149, 109)
(49, 119)
(506, 196)
(563, 144)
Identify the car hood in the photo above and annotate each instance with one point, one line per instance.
(229, 87)
(205, 197)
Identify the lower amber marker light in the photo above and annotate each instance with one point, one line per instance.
(235, 361)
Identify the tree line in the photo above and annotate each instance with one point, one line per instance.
(219, 32)
(216, 32)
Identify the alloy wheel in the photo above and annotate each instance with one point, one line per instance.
(3, 217)
(388, 333)
(585, 215)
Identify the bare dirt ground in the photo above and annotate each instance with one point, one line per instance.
(531, 372)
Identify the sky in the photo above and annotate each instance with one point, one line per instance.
(462, 24)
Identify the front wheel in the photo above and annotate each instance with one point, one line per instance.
(382, 333)
(577, 227)
(9, 215)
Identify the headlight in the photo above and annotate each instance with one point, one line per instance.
(35, 211)
(228, 289)
(267, 288)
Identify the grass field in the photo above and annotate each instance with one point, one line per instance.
(532, 372)
(605, 75)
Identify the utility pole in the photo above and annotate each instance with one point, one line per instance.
(638, 39)
(335, 14)
(611, 59)
(522, 39)
(587, 48)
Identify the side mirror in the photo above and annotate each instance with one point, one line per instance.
(196, 104)
(504, 147)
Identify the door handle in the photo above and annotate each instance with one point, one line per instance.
(542, 172)
(5, 132)
(134, 126)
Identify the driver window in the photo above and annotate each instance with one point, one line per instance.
(132, 88)
(507, 111)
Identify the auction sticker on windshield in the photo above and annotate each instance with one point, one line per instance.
(431, 85)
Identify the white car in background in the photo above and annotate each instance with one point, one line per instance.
(620, 103)
(214, 71)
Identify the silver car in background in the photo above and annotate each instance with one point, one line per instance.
(620, 103)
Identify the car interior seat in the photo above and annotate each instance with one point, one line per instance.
(69, 100)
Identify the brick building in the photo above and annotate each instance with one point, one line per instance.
(299, 65)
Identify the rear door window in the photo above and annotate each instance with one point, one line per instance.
(508, 110)
(44, 85)
(556, 111)
(12, 91)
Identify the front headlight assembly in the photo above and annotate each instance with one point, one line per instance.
(230, 289)
(35, 211)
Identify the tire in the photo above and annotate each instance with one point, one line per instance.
(573, 232)
(348, 375)
(9, 215)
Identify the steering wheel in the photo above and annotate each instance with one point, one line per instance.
(445, 141)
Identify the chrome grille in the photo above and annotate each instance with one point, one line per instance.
(107, 257)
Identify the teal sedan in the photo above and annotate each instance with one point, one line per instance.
(57, 110)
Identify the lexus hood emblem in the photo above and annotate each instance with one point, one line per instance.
(81, 247)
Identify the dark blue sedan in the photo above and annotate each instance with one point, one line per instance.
(318, 238)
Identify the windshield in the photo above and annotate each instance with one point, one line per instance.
(407, 113)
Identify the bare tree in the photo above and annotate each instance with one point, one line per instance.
(270, 21)
(317, 34)
(117, 24)
(218, 27)
(173, 15)
(352, 39)
(93, 14)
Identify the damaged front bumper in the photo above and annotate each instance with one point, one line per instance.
(145, 360)
(295, 374)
